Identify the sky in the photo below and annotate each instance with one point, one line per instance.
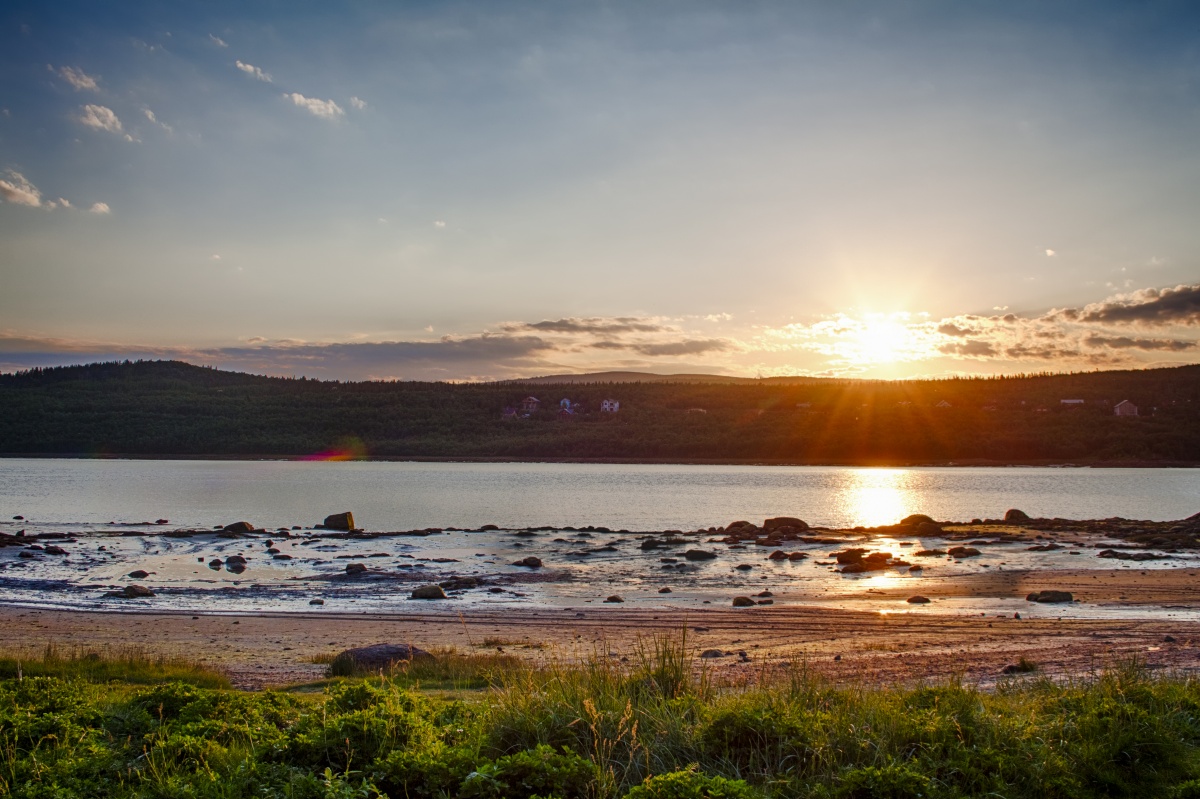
(487, 190)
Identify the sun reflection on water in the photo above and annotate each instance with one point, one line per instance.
(875, 497)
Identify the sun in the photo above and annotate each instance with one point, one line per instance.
(878, 341)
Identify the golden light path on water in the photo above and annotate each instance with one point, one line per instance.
(874, 497)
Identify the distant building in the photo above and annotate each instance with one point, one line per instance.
(943, 404)
(1072, 403)
(565, 404)
(1125, 408)
(509, 413)
(530, 404)
(565, 414)
(696, 410)
(610, 406)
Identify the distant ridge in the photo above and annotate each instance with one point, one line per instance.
(651, 377)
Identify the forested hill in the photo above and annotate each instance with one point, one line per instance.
(172, 408)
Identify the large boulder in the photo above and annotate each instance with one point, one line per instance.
(1050, 596)
(770, 525)
(238, 528)
(530, 562)
(743, 602)
(375, 657)
(339, 521)
(1014, 515)
(429, 592)
(917, 518)
(698, 554)
(132, 592)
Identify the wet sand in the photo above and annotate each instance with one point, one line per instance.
(263, 650)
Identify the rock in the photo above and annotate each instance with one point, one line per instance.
(162, 521)
(929, 553)
(356, 568)
(238, 528)
(215, 564)
(25, 553)
(339, 521)
(139, 574)
(766, 602)
(853, 555)
(488, 527)
(918, 600)
(530, 562)
(778, 554)
(916, 568)
(770, 525)
(429, 592)
(855, 568)
(743, 602)
(764, 593)
(928, 528)
(650, 543)
(664, 590)
(1168, 639)
(1107, 553)
(1014, 515)
(745, 567)
(55, 550)
(798, 556)
(235, 560)
(878, 557)
(132, 592)
(18, 518)
(916, 519)
(281, 557)
(740, 525)
(461, 583)
(614, 598)
(380, 656)
(698, 554)
(963, 552)
(316, 601)
(709, 654)
(1050, 596)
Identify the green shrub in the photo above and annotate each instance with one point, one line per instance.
(690, 784)
(539, 772)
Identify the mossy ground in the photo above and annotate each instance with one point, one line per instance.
(652, 729)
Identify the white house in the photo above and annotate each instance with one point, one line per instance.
(610, 406)
(1125, 408)
(1072, 403)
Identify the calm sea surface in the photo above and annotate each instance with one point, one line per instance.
(400, 496)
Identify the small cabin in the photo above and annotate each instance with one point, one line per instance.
(565, 414)
(530, 404)
(610, 406)
(1072, 403)
(1125, 408)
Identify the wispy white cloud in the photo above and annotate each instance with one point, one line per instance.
(59, 203)
(217, 40)
(254, 71)
(101, 118)
(154, 119)
(326, 109)
(17, 190)
(76, 77)
(358, 103)
(100, 208)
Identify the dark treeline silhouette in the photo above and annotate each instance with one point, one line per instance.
(174, 408)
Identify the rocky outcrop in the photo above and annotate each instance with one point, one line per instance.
(530, 562)
(339, 521)
(743, 602)
(132, 592)
(379, 656)
(698, 554)
(1014, 515)
(238, 528)
(771, 525)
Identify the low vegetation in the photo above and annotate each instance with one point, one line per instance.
(171, 408)
(655, 728)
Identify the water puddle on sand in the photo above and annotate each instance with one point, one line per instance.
(580, 570)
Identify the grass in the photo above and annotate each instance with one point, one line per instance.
(659, 727)
(127, 665)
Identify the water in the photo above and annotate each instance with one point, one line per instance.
(402, 496)
(100, 503)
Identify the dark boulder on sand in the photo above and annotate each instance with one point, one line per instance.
(1014, 515)
(698, 554)
(238, 528)
(132, 592)
(918, 600)
(743, 602)
(530, 562)
(139, 574)
(375, 657)
(1050, 596)
(963, 552)
(356, 568)
(429, 592)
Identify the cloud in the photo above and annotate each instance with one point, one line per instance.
(591, 325)
(1050, 253)
(1145, 344)
(217, 40)
(1169, 306)
(100, 208)
(76, 77)
(357, 103)
(326, 109)
(254, 71)
(19, 191)
(950, 329)
(154, 119)
(970, 349)
(100, 118)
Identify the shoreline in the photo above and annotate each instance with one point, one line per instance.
(849, 464)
